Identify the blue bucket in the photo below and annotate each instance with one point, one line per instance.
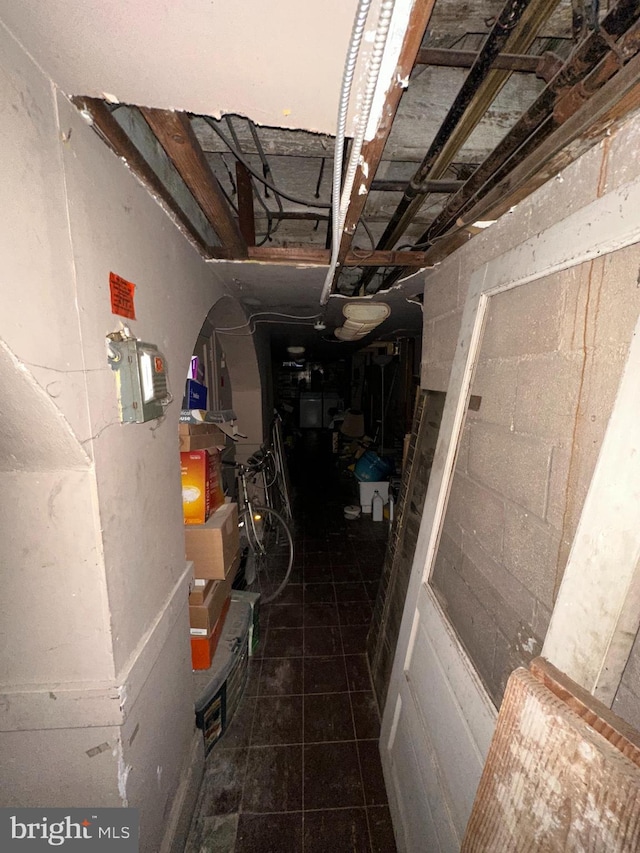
(371, 468)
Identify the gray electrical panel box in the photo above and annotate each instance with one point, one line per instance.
(141, 376)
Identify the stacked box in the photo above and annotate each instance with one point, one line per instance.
(218, 690)
(202, 491)
(208, 603)
(204, 648)
(200, 437)
(195, 395)
(199, 590)
(213, 547)
(204, 617)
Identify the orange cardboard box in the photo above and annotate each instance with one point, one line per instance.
(204, 648)
(202, 491)
(213, 547)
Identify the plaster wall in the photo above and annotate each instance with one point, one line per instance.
(551, 358)
(95, 657)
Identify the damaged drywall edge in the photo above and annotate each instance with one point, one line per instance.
(123, 773)
(78, 458)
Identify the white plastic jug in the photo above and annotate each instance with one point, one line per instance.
(377, 506)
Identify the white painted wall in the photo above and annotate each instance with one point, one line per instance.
(94, 632)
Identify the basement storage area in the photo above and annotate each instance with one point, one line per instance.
(319, 350)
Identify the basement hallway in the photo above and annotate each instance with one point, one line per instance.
(298, 770)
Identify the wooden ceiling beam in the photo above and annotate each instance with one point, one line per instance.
(372, 150)
(444, 187)
(174, 132)
(448, 58)
(107, 126)
(312, 256)
(247, 218)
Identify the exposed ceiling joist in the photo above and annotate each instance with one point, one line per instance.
(122, 145)
(515, 27)
(444, 187)
(246, 215)
(579, 130)
(311, 256)
(176, 136)
(449, 58)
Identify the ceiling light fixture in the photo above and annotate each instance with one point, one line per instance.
(295, 350)
(361, 318)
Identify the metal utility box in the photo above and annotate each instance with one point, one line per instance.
(141, 376)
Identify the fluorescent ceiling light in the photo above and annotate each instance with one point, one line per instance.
(366, 312)
(361, 318)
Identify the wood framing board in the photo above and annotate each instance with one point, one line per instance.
(383, 633)
(175, 134)
(551, 782)
(602, 719)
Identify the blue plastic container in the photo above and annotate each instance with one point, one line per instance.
(371, 468)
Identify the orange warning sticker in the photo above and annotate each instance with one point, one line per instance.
(122, 296)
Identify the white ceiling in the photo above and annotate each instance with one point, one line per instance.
(279, 62)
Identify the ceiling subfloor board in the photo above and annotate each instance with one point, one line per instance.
(113, 134)
(175, 134)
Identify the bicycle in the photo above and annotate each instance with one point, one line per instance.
(265, 533)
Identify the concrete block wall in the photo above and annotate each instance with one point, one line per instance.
(551, 358)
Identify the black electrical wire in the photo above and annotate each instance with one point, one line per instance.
(234, 189)
(230, 201)
(369, 234)
(212, 124)
(266, 170)
(317, 192)
(267, 236)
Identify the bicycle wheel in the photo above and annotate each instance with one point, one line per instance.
(270, 547)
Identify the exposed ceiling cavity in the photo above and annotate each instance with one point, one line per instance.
(228, 112)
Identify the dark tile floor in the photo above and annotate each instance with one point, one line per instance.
(298, 770)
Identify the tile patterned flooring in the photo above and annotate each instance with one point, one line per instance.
(298, 770)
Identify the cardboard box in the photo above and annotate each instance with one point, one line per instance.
(203, 617)
(213, 547)
(195, 395)
(202, 491)
(199, 429)
(204, 648)
(201, 587)
(209, 441)
(198, 593)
